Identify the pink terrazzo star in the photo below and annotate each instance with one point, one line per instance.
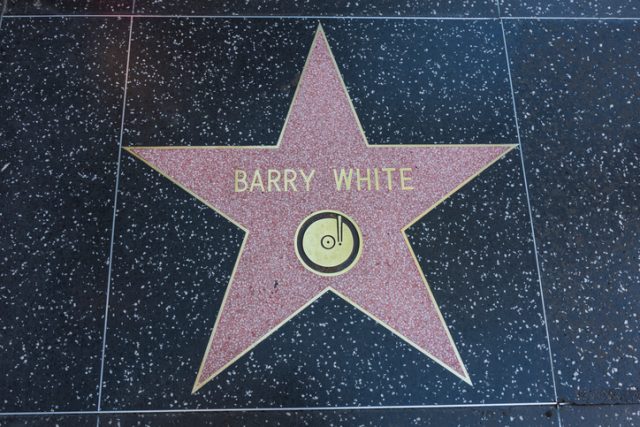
(322, 132)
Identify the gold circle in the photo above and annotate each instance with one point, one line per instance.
(328, 242)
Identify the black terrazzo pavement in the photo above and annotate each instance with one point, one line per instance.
(229, 82)
(391, 68)
(601, 415)
(487, 288)
(68, 7)
(48, 420)
(577, 92)
(232, 83)
(538, 416)
(563, 8)
(61, 109)
(447, 8)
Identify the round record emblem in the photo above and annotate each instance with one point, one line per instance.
(328, 243)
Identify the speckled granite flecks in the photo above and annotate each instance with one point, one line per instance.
(417, 82)
(83, 420)
(600, 415)
(214, 82)
(563, 8)
(528, 416)
(577, 93)
(476, 252)
(230, 82)
(60, 111)
(68, 7)
(484, 8)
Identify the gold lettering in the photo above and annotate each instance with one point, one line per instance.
(241, 177)
(257, 181)
(389, 172)
(360, 179)
(365, 179)
(289, 179)
(307, 179)
(273, 176)
(377, 179)
(343, 177)
(404, 179)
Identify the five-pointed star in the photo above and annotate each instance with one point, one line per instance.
(322, 132)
